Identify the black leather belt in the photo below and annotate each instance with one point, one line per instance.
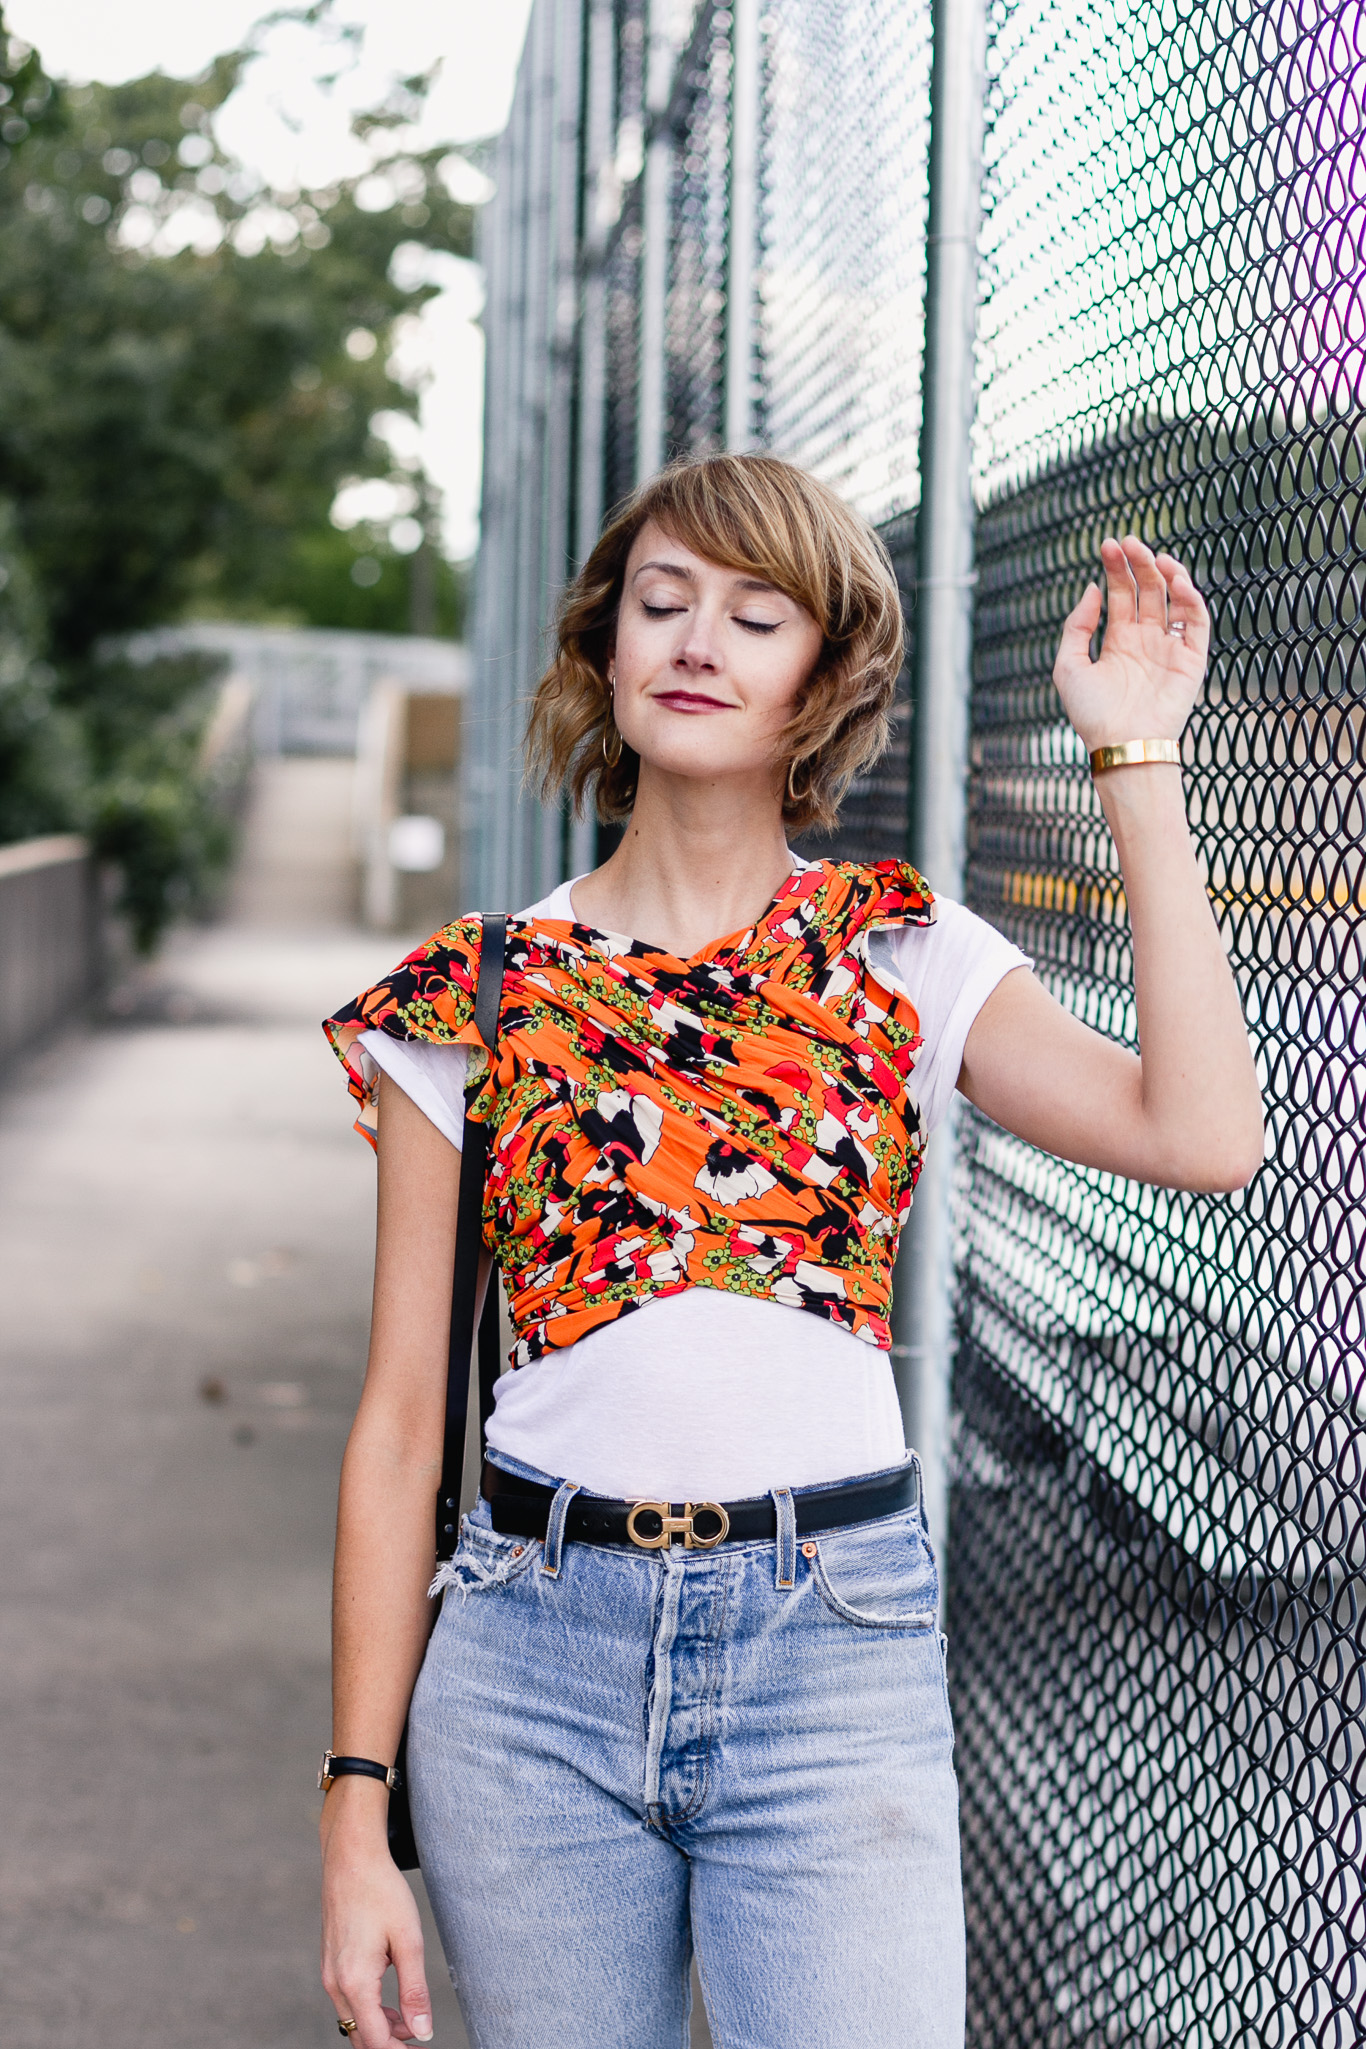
(521, 1508)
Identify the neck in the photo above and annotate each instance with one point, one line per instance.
(696, 861)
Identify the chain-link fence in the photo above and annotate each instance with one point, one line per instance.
(1158, 1541)
(698, 116)
(1157, 1567)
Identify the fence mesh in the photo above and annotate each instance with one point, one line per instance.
(1157, 1553)
(622, 271)
(699, 224)
(1158, 1565)
(843, 202)
(842, 298)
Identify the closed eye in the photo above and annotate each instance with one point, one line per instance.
(759, 625)
(660, 611)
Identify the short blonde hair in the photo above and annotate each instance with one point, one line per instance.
(751, 512)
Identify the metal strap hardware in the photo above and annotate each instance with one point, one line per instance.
(671, 1525)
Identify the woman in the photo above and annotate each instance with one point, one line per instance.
(738, 1740)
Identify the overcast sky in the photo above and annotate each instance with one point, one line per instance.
(284, 126)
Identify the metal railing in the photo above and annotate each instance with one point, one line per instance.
(309, 684)
(1157, 1569)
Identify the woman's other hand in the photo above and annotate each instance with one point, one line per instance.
(370, 1920)
(1187, 1112)
(1153, 659)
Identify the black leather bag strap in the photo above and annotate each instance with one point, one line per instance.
(469, 1243)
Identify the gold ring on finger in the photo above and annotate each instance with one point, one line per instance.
(347, 2028)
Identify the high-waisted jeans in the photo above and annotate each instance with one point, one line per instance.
(617, 1756)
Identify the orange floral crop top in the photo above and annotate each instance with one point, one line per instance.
(739, 1120)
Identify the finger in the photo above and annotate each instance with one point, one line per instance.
(1149, 583)
(359, 2001)
(1079, 626)
(1121, 595)
(413, 1997)
(1185, 606)
(1188, 620)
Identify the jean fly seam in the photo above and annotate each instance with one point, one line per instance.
(664, 1818)
(711, 1683)
(661, 1692)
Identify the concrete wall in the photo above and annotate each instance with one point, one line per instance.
(48, 950)
(407, 757)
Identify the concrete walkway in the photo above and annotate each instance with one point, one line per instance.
(185, 1230)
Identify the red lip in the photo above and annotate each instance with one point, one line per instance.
(689, 700)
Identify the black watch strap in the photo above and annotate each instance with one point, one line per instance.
(357, 1768)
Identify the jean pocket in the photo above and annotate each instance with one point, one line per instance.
(484, 1561)
(878, 1575)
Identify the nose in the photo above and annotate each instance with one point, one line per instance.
(698, 651)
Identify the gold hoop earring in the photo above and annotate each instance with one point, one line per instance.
(794, 796)
(612, 758)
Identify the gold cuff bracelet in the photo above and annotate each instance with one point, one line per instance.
(1128, 753)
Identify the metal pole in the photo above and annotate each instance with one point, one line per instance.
(744, 215)
(600, 206)
(598, 219)
(493, 610)
(564, 114)
(651, 413)
(537, 254)
(942, 669)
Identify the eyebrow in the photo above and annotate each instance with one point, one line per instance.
(680, 569)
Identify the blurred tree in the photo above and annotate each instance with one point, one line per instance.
(190, 369)
(41, 755)
(191, 366)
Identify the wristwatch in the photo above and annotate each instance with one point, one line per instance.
(333, 1767)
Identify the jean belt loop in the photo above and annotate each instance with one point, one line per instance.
(787, 1536)
(920, 1491)
(554, 1527)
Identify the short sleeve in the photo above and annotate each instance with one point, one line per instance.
(432, 1077)
(427, 1002)
(948, 970)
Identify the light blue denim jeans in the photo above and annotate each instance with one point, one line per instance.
(617, 1756)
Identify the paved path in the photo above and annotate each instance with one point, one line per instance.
(183, 1210)
(185, 1235)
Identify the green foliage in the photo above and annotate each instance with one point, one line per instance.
(110, 749)
(326, 578)
(189, 369)
(170, 422)
(41, 759)
(147, 806)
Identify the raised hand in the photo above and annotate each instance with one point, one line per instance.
(1153, 658)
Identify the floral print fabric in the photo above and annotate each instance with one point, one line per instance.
(740, 1120)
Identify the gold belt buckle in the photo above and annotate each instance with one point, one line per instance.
(670, 1525)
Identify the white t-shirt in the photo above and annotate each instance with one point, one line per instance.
(705, 1395)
